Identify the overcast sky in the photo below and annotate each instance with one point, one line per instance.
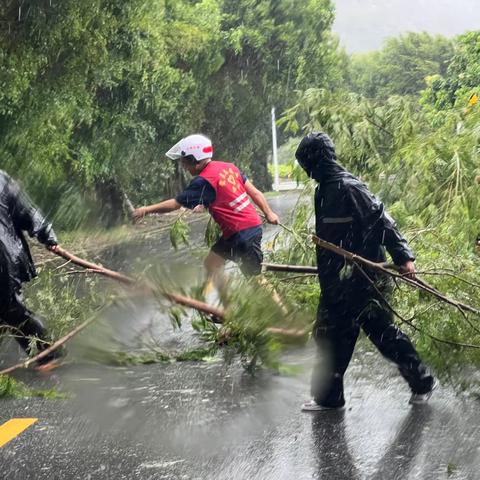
(363, 24)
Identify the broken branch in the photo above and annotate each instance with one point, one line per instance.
(417, 283)
(180, 299)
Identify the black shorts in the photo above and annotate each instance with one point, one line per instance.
(247, 252)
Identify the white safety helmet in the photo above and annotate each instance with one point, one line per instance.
(199, 146)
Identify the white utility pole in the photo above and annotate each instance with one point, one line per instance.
(276, 181)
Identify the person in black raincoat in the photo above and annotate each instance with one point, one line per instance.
(18, 215)
(348, 215)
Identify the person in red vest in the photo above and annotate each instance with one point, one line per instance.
(226, 192)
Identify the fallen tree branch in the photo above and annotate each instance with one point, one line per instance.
(216, 315)
(120, 277)
(274, 267)
(386, 268)
(50, 349)
(278, 267)
(419, 284)
(409, 321)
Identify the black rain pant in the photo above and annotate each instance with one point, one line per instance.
(336, 331)
(24, 325)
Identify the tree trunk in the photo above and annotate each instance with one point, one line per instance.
(110, 202)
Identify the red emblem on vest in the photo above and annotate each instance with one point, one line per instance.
(232, 208)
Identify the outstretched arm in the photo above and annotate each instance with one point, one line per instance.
(261, 202)
(26, 216)
(198, 193)
(379, 226)
(162, 207)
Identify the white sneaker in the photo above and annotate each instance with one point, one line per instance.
(422, 398)
(313, 406)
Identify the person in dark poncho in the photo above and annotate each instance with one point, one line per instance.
(349, 216)
(18, 215)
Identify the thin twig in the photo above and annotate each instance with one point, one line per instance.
(291, 231)
(448, 274)
(77, 272)
(419, 232)
(409, 322)
(424, 311)
(378, 126)
(50, 349)
(303, 276)
(62, 265)
(275, 267)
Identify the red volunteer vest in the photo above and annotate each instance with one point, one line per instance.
(232, 208)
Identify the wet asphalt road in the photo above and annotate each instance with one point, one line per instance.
(203, 421)
(208, 421)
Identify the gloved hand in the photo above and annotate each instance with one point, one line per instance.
(53, 248)
(47, 236)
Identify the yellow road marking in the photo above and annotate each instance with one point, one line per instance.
(14, 427)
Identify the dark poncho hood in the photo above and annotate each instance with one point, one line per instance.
(316, 155)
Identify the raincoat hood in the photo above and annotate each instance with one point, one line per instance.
(316, 155)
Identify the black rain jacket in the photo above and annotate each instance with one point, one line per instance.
(347, 215)
(17, 215)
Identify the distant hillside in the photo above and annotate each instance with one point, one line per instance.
(363, 24)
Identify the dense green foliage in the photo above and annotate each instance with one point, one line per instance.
(401, 67)
(11, 388)
(419, 151)
(93, 93)
(461, 76)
